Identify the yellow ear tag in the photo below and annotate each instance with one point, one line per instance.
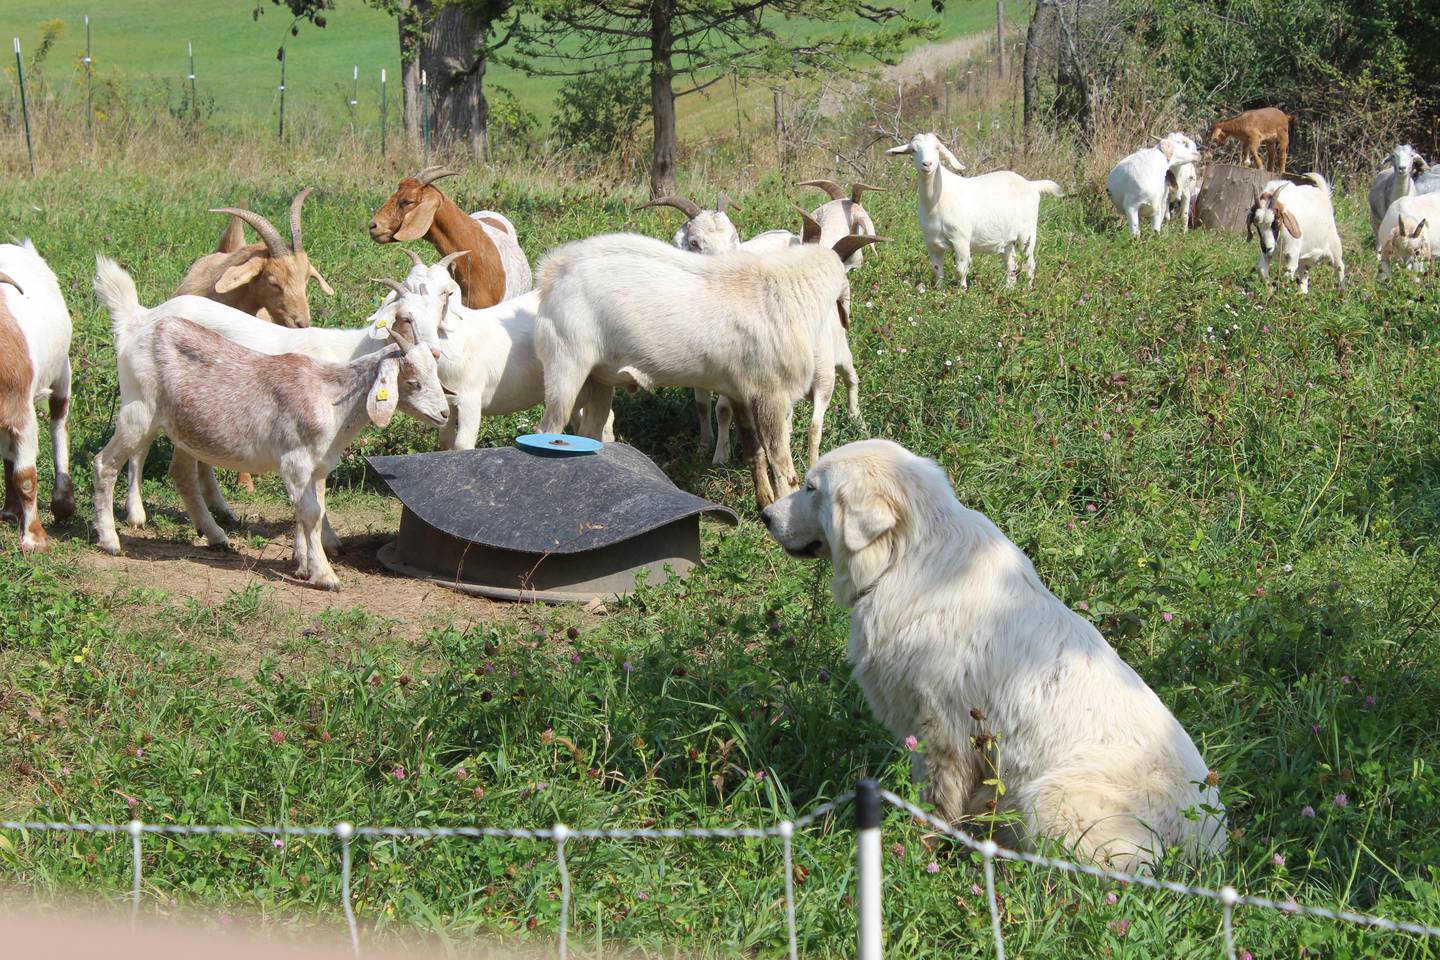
(381, 324)
(382, 395)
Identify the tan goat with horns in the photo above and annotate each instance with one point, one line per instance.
(494, 267)
(269, 279)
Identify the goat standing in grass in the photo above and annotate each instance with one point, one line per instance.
(1139, 185)
(222, 403)
(493, 267)
(995, 212)
(842, 215)
(34, 365)
(1406, 174)
(1296, 225)
(1409, 237)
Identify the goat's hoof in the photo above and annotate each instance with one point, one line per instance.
(221, 542)
(62, 505)
(330, 583)
(31, 544)
(227, 520)
(110, 545)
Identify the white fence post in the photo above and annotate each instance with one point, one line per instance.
(868, 868)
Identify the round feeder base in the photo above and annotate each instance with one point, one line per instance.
(425, 553)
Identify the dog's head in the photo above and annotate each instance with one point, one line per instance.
(855, 507)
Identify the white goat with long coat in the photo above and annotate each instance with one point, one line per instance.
(226, 405)
(996, 212)
(633, 312)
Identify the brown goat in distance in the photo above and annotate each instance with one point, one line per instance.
(1266, 126)
(269, 279)
(494, 267)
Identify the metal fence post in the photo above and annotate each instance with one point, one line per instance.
(282, 94)
(89, 96)
(384, 103)
(425, 114)
(868, 869)
(194, 104)
(24, 105)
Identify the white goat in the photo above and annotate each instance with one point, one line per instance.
(824, 386)
(704, 231)
(1409, 236)
(223, 404)
(34, 364)
(1296, 224)
(995, 212)
(1138, 184)
(843, 215)
(1404, 175)
(1182, 187)
(317, 343)
(630, 311)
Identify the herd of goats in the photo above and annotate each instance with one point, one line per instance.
(232, 372)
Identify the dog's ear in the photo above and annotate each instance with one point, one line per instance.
(864, 512)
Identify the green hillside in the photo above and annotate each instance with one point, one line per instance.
(144, 41)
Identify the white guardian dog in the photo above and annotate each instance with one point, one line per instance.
(955, 641)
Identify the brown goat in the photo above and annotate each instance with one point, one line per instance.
(1266, 126)
(267, 279)
(494, 267)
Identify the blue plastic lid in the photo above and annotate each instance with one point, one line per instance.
(558, 443)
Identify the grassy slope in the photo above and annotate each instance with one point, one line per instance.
(235, 56)
(1240, 487)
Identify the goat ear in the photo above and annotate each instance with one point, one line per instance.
(417, 221)
(842, 307)
(1420, 228)
(1250, 221)
(1167, 148)
(951, 159)
(240, 274)
(1292, 226)
(384, 396)
(896, 151)
(324, 284)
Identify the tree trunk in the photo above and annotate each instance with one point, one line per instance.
(662, 98)
(1035, 42)
(448, 45)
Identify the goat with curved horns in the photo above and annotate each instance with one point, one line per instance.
(843, 215)
(268, 279)
(494, 267)
(704, 231)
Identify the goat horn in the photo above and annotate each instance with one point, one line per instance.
(687, 207)
(435, 172)
(392, 284)
(415, 260)
(810, 230)
(296, 244)
(858, 188)
(829, 186)
(450, 258)
(723, 203)
(273, 241)
(5, 278)
(851, 242)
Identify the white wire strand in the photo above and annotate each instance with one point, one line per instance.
(1142, 880)
(988, 850)
(137, 830)
(344, 832)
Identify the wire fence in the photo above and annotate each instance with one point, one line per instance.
(867, 799)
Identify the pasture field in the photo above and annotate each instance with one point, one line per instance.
(1239, 487)
(237, 73)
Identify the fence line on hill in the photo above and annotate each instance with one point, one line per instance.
(868, 799)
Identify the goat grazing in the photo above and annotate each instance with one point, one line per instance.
(1299, 229)
(224, 404)
(1408, 235)
(1405, 174)
(842, 215)
(34, 365)
(704, 231)
(995, 212)
(1140, 183)
(1182, 187)
(493, 267)
(631, 311)
(267, 279)
(1266, 126)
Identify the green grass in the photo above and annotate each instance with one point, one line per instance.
(144, 41)
(1239, 487)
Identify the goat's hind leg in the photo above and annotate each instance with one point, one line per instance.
(214, 498)
(62, 495)
(754, 453)
(134, 432)
(185, 472)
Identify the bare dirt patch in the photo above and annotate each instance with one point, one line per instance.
(185, 568)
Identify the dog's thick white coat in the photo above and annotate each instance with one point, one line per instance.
(949, 616)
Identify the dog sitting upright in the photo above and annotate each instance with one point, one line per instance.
(955, 640)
